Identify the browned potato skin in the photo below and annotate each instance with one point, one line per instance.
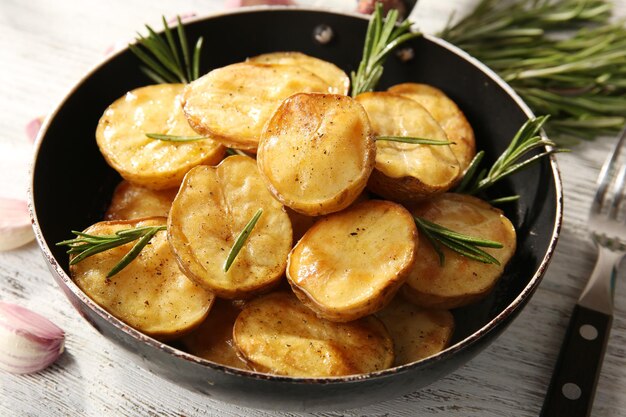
(151, 294)
(232, 104)
(317, 152)
(338, 80)
(213, 339)
(417, 333)
(460, 281)
(211, 209)
(278, 335)
(351, 264)
(447, 114)
(393, 177)
(158, 165)
(132, 201)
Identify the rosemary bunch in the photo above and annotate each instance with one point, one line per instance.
(383, 36)
(168, 60)
(86, 245)
(579, 80)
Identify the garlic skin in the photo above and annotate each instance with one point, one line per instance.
(29, 342)
(15, 226)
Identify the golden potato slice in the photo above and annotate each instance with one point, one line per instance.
(407, 172)
(151, 294)
(316, 152)
(155, 164)
(461, 280)
(350, 264)
(334, 76)
(447, 114)
(211, 209)
(232, 104)
(213, 339)
(417, 333)
(132, 201)
(279, 335)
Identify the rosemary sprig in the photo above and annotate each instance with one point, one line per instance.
(464, 245)
(579, 79)
(413, 140)
(86, 245)
(382, 37)
(510, 161)
(241, 239)
(162, 55)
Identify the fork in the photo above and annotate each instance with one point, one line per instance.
(575, 376)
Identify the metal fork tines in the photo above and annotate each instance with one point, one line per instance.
(608, 228)
(573, 383)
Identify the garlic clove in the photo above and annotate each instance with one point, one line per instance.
(15, 227)
(29, 342)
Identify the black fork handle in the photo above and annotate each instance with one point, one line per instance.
(575, 376)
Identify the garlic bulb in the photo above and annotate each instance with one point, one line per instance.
(28, 342)
(15, 226)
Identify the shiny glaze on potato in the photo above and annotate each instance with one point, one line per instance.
(407, 172)
(447, 114)
(338, 81)
(350, 264)
(211, 209)
(317, 152)
(279, 335)
(151, 294)
(155, 164)
(232, 104)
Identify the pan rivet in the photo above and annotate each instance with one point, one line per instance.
(323, 34)
(405, 54)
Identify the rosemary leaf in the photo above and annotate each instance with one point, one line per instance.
(174, 138)
(503, 200)
(416, 141)
(241, 240)
(182, 36)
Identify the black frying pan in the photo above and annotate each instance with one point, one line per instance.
(72, 186)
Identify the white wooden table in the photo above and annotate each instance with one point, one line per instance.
(45, 47)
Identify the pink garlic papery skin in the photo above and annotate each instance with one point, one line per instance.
(29, 342)
(15, 226)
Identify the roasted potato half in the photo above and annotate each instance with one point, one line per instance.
(155, 164)
(213, 339)
(151, 294)
(350, 264)
(209, 212)
(277, 334)
(317, 152)
(447, 114)
(132, 201)
(232, 104)
(407, 172)
(338, 80)
(417, 333)
(461, 280)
